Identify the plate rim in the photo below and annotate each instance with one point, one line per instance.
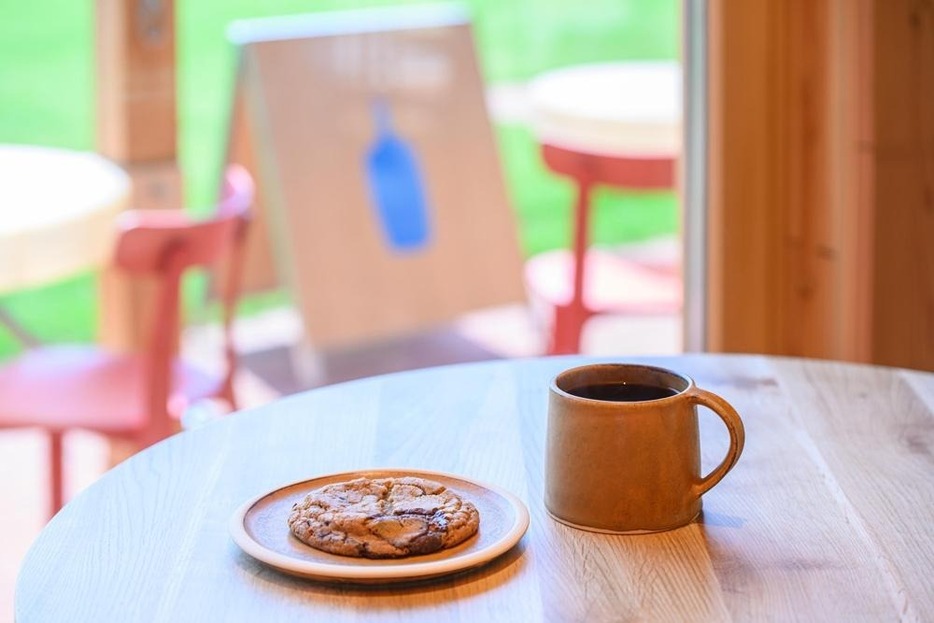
(410, 570)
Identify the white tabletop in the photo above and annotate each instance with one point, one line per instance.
(622, 109)
(57, 210)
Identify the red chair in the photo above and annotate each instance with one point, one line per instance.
(137, 396)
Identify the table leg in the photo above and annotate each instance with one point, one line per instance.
(570, 318)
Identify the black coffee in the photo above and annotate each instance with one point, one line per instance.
(623, 392)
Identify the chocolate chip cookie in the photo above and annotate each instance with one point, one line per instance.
(383, 518)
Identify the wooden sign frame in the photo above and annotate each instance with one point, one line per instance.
(302, 124)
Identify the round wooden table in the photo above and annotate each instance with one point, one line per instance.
(58, 213)
(827, 516)
(616, 124)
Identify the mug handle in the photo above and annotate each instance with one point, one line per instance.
(735, 427)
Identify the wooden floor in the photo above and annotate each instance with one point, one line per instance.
(271, 371)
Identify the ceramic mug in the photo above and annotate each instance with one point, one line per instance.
(623, 448)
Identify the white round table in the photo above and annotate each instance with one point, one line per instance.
(614, 109)
(57, 210)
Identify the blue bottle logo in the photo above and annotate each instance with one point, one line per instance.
(396, 189)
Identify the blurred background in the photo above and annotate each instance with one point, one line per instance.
(47, 97)
(50, 72)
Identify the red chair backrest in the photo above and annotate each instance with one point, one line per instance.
(163, 244)
(148, 240)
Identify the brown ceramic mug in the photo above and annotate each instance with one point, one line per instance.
(623, 449)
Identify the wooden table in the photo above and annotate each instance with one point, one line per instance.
(828, 516)
(616, 124)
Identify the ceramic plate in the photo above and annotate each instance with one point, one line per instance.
(260, 528)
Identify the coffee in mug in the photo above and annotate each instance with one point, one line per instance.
(623, 448)
(623, 392)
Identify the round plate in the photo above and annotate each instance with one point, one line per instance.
(261, 530)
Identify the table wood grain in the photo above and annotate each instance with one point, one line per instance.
(828, 516)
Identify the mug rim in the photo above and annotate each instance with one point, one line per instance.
(688, 383)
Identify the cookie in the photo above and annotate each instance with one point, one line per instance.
(383, 518)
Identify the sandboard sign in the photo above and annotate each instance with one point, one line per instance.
(381, 203)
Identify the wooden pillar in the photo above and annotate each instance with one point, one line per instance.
(137, 128)
(820, 178)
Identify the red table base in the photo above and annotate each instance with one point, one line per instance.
(574, 308)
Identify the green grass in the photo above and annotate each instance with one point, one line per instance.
(47, 89)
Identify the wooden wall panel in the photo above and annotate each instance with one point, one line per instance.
(743, 304)
(774, 247)
(903, 305)
(810, 242)
(852, 171)
(821, 179)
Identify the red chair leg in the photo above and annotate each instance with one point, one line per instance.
(56, 473)
(228, 395)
